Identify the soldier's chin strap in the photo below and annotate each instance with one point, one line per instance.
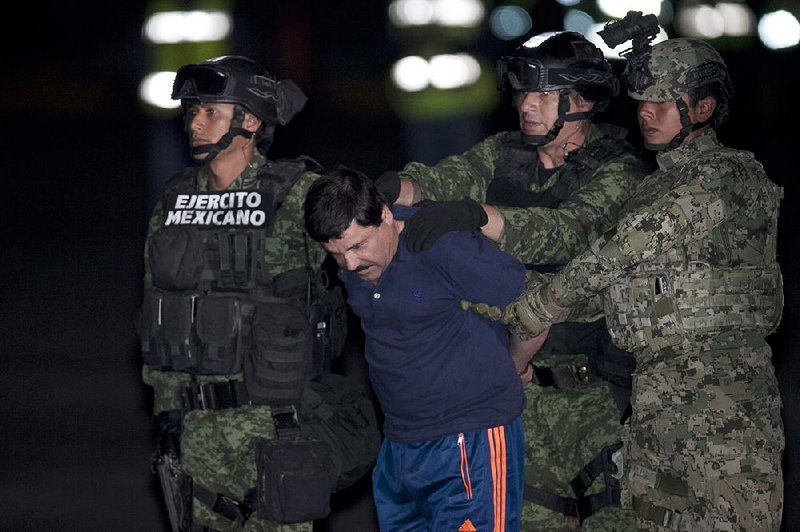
(563, 116)
(213, 150)
(686, 127)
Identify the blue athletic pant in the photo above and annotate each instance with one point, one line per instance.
(463, 482)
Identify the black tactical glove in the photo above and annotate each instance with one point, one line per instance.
(435, 218)
(388, 184)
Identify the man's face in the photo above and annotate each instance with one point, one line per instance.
(538, 111)
(659, 122)
(367, 251)
(207, 123)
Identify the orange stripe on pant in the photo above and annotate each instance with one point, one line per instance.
(498, 459)
(464, 467)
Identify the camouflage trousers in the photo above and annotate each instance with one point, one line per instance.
(217, 451)
(564, 430)
(705, 444)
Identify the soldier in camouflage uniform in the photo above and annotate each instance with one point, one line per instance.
(689, 282)
(550, 189)
(229, 285)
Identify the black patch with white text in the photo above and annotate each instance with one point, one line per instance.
(211, 210)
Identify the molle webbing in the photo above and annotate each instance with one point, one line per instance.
(692, 301)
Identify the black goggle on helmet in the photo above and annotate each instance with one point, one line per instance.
(238, 80)
(556, 61)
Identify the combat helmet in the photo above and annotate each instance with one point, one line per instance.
(672, 68)
(240, 81)
(555, 61)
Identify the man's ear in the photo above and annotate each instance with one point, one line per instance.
(251, 122)
(705, 108)
(386, 215)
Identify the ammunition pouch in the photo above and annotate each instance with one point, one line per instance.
(224, 333)
(193, 332)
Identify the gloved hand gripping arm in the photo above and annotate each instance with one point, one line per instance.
(436, 218)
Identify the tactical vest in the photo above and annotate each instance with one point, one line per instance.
(214, 309)
(515, 169)
(685, 294)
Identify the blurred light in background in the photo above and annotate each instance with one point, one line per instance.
(156, 88)
(779, 29)
(464, 13)
(509, 22)
(445, 71)
(187, 26)
(704, 20)
(578, 21)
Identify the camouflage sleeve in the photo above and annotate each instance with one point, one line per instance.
(538, 235)
(687, 212)
(286, 247)
(458, 176)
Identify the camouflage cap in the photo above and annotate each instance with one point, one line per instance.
(672, 67)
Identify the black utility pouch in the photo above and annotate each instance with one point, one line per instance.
(279, 361)
(219, 328)
(148, 327)
(295, 479)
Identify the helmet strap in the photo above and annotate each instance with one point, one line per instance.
(214, 149)
(686, 127)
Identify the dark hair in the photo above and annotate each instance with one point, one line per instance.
(337, 198)
(716, 91)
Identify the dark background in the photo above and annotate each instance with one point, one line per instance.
(79, 173)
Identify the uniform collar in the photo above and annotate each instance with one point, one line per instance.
(244, 180)
(686, 152)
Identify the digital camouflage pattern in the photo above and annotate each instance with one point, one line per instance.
(564, 429)
(217, 446)
(690, 283)
(536, 235)
(672, 66)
